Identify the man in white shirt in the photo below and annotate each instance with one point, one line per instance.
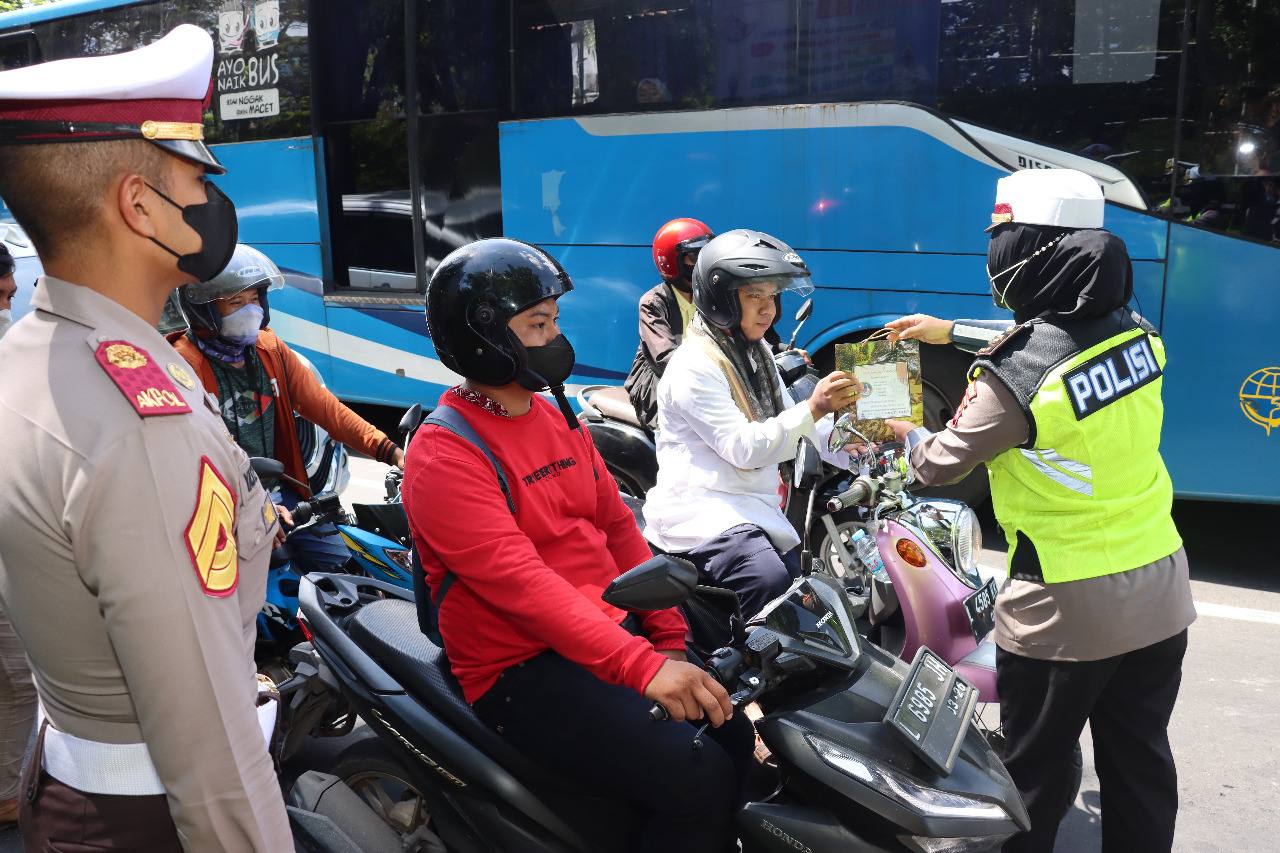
(726, 423)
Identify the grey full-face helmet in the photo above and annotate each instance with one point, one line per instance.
(740, 258)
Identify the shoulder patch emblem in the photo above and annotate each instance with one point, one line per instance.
(210, 535)
(1002, 339)
(140, 379)
(180, 375)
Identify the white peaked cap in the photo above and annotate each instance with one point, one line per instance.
(1066, 198)
(177, 66)
(158, 93)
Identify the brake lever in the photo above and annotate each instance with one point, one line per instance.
(737, 700)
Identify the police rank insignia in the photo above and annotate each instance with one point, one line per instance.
(140, 379)
(210, 535)
(180, 375)
(1001, 339)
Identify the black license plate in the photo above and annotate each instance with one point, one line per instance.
(931, 710)
(981, 609)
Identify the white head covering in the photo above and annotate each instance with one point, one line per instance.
(1064, 198)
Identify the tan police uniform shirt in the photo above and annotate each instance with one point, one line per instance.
(1082, 620)
(133, 559)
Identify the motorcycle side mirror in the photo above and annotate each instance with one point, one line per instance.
(273, 469)
(808, 467)
(411, 420)
(656, 584)
(267, 469)
(803, 314)
(805, 310)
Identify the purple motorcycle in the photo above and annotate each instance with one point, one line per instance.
(916, 561)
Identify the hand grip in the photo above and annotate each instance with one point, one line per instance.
(658, 713)
(858, 493)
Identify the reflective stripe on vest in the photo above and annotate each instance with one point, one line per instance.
(1068, 472)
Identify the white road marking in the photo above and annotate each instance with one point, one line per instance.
(1246, 614)
(1222, 611)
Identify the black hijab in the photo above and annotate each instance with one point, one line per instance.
(1086, 273)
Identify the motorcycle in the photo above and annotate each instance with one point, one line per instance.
(875, 755)
(381, 546)
(931, 593)
(628, 448)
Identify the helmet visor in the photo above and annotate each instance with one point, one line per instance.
(249, 270)
(767, 287)
(693, 244)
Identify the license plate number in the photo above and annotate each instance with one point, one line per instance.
(931, 710)
(981, 609)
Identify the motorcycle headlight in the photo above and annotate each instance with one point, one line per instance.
(951, 529)
(972, 844)
(916, 796)
(966, 536)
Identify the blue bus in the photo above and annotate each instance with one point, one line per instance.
(364, 141)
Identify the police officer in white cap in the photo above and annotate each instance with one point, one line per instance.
(136, 536)
(1064, 408)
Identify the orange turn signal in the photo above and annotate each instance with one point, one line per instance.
(911, 552)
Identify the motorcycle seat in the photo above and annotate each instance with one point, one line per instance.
(388, 632)
(613, 402)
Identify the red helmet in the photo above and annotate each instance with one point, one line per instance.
(676, 238)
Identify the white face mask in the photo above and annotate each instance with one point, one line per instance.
(6, 320)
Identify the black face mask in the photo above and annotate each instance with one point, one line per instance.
(215, 221)
(548, 365)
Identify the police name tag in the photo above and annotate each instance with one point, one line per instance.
(1110, 375)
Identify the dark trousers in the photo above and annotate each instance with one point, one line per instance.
(1127, 701)
(600, 734)
(56, 818)
(744, 560)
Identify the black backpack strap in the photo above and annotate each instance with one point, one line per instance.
(451, 419)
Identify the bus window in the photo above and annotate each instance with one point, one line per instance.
(18, 50)
(1095, 77)
(379, 238)
(1230, 178)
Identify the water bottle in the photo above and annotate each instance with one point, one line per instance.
(865, 547)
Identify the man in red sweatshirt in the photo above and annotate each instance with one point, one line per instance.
(518, 582)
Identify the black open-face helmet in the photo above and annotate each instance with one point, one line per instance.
(740, 258)
(248, 269)
(472, 295)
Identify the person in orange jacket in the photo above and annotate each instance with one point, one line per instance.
(260, 383)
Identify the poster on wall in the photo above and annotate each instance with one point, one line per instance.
(247, 66)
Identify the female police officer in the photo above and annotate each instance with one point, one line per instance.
(1065, 410)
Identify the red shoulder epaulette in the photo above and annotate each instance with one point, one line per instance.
(1003, 338)
(140, 379)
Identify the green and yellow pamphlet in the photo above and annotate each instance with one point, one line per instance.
(889, 378)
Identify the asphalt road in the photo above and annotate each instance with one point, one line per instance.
(1226, 727)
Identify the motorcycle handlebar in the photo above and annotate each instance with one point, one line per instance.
(859, 492)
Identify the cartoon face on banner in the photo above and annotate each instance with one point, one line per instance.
(231, 26)
(266, 22)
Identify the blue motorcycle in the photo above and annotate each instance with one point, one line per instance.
(380, 545)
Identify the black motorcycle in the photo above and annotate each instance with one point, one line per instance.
(874, 754)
